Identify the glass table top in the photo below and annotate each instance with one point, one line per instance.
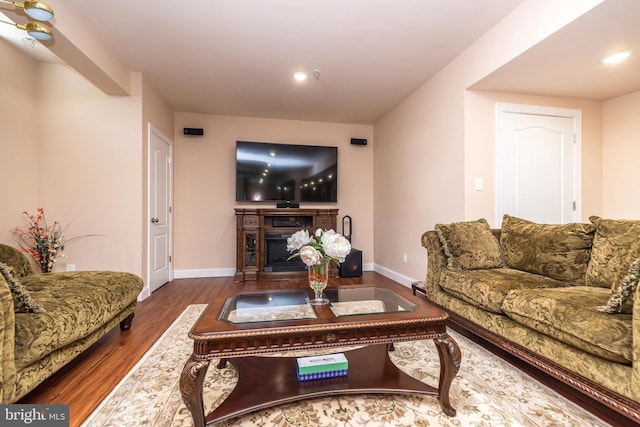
(293, 304)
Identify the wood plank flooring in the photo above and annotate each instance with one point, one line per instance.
(88, 379)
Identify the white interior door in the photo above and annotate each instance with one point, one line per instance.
(538, 164)
(160, 182)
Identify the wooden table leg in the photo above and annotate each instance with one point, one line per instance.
(191, 384)
(450, 357)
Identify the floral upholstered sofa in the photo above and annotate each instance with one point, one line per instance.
(559, 297)
(49, 319)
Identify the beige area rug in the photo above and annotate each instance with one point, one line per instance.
(486, 392)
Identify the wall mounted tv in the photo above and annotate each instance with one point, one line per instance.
(271, 172)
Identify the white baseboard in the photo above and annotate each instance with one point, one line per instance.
(393, 275)
(204, 272)
(368, 267)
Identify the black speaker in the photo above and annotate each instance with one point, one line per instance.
(358, 141)
(194, 131)
(352, 265)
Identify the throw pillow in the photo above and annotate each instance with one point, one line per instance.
(22, 301)
(616, 247)
(469, 245)
(558, 251)
(619, 301)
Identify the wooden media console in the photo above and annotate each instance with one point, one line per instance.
(261, 243)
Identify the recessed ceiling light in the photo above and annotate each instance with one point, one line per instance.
(300, 75)
(616, 57)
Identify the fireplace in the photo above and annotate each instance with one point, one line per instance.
(276, 254)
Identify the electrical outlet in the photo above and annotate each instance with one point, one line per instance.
(404, 257)
(71, 267)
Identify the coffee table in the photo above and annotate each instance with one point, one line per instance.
(239, 326)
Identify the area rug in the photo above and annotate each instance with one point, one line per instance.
(486, 392)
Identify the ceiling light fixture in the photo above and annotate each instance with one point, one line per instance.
(616, 57)
(36, 30)
(35, 10)
(300, 76)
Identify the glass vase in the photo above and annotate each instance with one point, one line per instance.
(318, 279)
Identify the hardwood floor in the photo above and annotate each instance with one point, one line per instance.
(88, 379)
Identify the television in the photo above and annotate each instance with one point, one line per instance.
(273, 172)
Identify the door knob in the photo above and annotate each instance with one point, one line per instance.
(155, 220)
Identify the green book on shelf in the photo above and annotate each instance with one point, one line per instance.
(323, 363)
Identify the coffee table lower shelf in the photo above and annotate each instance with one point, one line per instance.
(265, 382)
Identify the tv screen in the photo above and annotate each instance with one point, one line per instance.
(270, 172)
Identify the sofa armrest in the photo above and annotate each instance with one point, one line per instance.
(436, 262)
(7, 343)
(17, 260)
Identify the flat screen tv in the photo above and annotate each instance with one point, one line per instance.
(271, 172)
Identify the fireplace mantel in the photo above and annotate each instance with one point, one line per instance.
(260, 234)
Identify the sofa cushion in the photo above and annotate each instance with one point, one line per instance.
(76, 303)
(469, 245)
(22, 301)
(568, 314)
(488, 288)
(558, 251)
(616, 246)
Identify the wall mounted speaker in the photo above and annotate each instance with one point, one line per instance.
(194, 131)
(358, 141)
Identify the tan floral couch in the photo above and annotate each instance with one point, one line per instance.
(558, 297)
(48, 319)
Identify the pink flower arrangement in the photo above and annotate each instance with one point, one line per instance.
(42, 241)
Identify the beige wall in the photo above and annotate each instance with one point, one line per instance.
(157, 111)
(418, 176)
(480, 153)
(420, 163)
(18, 132)
(79, 154)
(620, 156)
(204, 184)
(90, 168)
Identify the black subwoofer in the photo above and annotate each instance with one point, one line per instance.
(352, 265)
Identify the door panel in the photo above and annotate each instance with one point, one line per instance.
(538, 176)
(159, 268)
(538, 168)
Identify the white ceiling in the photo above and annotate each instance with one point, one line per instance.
(237, 57)
(567, 64)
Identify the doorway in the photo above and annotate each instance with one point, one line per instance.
(159, 260)
(538, 163)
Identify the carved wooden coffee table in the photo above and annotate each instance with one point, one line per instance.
(241, 326)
